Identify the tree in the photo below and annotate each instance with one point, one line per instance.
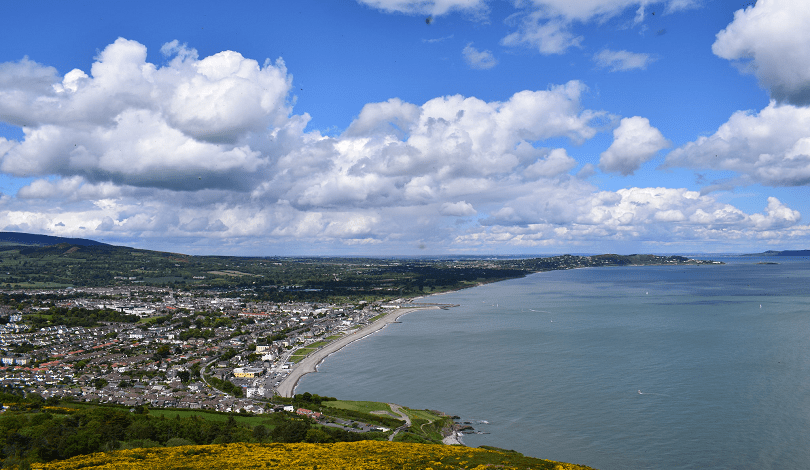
(318, 436)
(195, 370)
(291, 431)
(164, 351)
(100, 383)
(260, 432)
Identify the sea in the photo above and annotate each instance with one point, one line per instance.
(638, 367)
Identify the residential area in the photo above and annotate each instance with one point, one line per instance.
(173, 349)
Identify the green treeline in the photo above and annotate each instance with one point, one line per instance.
(196, 333)
(78, 316)
(39, 433)
(225, 385)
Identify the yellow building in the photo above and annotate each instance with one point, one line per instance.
(248, 372)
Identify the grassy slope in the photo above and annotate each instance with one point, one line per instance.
(355, 455)
(361, 406)
(171, 413)
(425, 425)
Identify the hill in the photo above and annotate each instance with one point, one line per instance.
(277, 279)
(787, 253)
(31, 239)
(355, 455)
(53, 435)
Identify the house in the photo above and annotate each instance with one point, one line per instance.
(255, 391)
(309, 413)
(11, 360)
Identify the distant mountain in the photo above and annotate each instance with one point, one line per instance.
(31, 239)
(787, 253)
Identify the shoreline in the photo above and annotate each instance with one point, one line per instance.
(453, 439)
(310, 363)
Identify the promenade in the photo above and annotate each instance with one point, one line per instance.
(310, 363)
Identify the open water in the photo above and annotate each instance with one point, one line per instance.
(662, 367)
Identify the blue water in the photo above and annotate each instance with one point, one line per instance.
(555, 362)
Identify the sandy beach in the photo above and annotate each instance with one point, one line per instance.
(310, 363)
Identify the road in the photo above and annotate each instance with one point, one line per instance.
(205, 381)
(398, 410)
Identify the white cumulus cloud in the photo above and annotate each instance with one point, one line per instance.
(134, 153)
(771, 147)
(770, 40)
(132, 122)
(635, 142)
(458, 209)
(555, 163)
(576, 213)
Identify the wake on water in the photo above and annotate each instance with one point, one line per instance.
(649, 393)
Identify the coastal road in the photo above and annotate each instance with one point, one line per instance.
(396, 409)
(310, 363)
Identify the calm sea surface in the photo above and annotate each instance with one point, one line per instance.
(617, 368)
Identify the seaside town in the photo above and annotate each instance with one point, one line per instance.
(92, 323)
(107, 348)
(175, 350)
(162, 330)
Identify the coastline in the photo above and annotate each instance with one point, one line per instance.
(310, 363)
(453, 439)
(451, 436)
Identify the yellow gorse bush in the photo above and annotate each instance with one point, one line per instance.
(342, 455)
(59, 409)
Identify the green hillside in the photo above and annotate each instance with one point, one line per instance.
(277, 278)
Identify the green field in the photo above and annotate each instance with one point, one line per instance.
(170, 413)
(377, 317)
(424, 415)
(427, 424)
(361, 406)
(306, 351)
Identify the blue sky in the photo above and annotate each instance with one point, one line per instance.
(397, 127)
